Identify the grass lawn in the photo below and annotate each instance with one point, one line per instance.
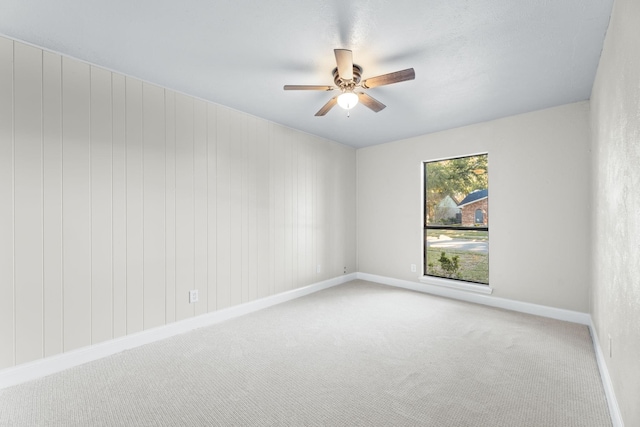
(474, 267)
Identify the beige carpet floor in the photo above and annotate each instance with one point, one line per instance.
(359, 354)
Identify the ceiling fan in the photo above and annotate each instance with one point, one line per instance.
(347, 77)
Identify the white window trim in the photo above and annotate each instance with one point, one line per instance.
(456, 284)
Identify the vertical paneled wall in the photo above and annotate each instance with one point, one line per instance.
(117, 197)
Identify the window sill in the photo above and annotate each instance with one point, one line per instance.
(456, 284)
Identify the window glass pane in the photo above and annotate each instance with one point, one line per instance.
(458, 254)
(457, 192)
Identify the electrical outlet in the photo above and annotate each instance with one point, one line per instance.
(193, 296)
(610, 349)
(318, 269)
(413, 268)
(345, 269)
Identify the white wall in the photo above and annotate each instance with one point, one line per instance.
(117, 197)
(539, 203)
(615, 117)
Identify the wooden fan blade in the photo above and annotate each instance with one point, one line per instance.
(387, 79)
(328, 106)
(370, 102)
(344, 59)
(307, 87)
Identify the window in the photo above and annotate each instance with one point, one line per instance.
(456, 218)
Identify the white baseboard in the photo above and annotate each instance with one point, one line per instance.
(614, 409)
(523, 307)
(50, 365)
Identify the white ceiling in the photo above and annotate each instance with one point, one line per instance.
(475, 60)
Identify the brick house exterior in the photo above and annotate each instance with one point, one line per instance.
(475, 209)
(469, 212)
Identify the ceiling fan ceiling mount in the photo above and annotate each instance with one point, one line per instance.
(347, 76)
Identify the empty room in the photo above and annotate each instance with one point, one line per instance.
(219, 213)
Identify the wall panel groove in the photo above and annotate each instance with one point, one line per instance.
(154, 227)
(7, 325)
(134, 140)
(170, 206)
(28, 234)
(244, 219)
(119, 205)
(235, 199)
(200, 205)
(52, 202)
(76, 214)
(212, 258)
(101, 206)
(223, 205)
(185, 202)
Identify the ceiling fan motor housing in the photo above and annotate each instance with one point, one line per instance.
(347, 84)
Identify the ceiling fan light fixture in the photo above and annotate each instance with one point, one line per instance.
(348, 100)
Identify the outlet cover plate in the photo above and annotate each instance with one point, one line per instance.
(193, 296)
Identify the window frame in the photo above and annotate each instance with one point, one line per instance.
(447, 281)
